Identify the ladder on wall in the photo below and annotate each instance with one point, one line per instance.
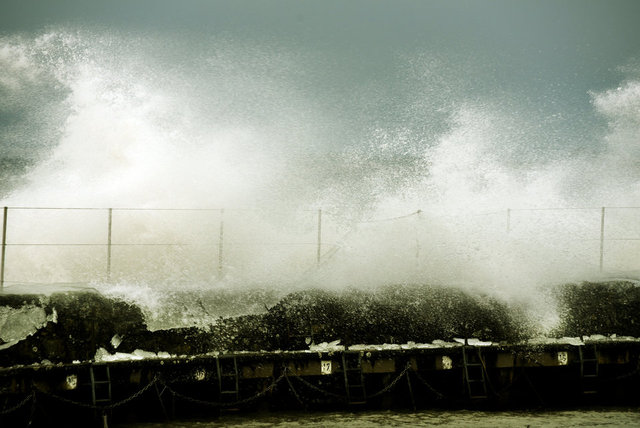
(354, 378)
(100, 378)
(589, 368)
(228, 379)
(474, 374)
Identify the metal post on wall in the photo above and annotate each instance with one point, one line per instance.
(109, 244)
(4, 246)
(602, 238)
(319, 249)
(508, 220)
(221, 245)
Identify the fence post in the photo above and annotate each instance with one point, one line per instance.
(602, 238)
(109, 244)
(221, 245)
(319, 249)
(417, 235)
(4, 246)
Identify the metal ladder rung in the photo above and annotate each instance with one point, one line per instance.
(228, 377)
(102, 386)
(589, 369)
(471, 380)
(356, 392)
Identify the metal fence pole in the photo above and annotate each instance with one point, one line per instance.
(417, 235)
(109, 244)
(221, 245)
(319, 249)
(602, 238)
(4, 246)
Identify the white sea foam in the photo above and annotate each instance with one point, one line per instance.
(233, 126)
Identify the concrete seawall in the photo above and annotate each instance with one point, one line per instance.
(377, 376)
(78, 356)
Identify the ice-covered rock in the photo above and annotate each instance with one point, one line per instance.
(472, 342)
(144, 354)
(327, 347)
(574, 341)
(116, 340)
(444, 344)
(18, 323)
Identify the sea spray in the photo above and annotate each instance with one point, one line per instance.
(443, 184)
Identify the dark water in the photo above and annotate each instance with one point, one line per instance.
(617, 417)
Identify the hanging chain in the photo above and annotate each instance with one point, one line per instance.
(432, 389)
(318, 389)
(293, 390)
(94, 407)
(218, 404)
(393, 382)
(19, 405)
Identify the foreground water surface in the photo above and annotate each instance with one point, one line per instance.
(461, 418)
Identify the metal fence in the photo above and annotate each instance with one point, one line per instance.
(112, 243)
(50, 244)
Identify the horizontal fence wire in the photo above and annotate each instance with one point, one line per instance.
(326, 249)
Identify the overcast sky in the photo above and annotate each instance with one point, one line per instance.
(340, 71)
(577, 43)
(591, 31)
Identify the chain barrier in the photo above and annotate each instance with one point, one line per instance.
(286, 374)
(620, 377)
(320, 390)
(393, 382)
(218, 404)
(344, 398)
(437, 393)
(293, 390)
(624, 376)
(101, 408)
(19, 405)
(155, 380)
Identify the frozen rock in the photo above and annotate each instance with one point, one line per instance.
(478, 342)
(574, 341)
(444, 344)
(144, 354)
(116, 340)
(18, 323)
(327, 347)
(102, 355)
